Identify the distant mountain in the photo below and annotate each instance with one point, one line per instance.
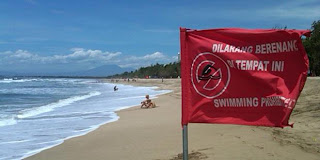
(102, 71)
(105, 70)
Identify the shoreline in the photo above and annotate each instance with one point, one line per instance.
(119, 114)
(115, 117)
(146, 134)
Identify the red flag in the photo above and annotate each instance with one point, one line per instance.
(241, 76)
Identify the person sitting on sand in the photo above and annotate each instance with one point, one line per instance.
(147, 103)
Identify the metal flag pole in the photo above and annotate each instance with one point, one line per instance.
(185, 141)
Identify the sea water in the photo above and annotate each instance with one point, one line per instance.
(39, 113)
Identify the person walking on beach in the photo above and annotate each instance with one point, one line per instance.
(147, 103)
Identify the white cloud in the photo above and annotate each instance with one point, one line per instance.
(175, 58)
(84, 57)
(156, 55)
(149, 57)
(146, 60)
(79, 55)
(22, 54)
(153, 56)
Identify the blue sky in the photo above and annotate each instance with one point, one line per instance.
(69, 35)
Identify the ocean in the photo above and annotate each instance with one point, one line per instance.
(39, 113)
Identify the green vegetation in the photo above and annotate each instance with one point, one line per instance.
(312, 46)
(171, 70)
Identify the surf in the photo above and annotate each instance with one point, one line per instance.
(50, 107)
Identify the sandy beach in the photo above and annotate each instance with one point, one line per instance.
(156, 134)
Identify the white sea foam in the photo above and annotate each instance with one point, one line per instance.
(33, 152)
(7, 122)
(66, 118)
(47, 108)
(113, 117)
(11, 80)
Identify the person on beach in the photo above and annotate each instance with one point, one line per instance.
(147, 103)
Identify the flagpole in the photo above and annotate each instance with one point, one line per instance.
(185, 141)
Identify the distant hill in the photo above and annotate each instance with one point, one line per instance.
(102, 71)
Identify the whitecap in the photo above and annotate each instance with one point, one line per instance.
(11, 80)
(7, 122)
(49, 107)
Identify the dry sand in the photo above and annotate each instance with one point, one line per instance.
(155, 134)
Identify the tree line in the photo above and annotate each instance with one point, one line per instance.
(312, 47)
(171, 70)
